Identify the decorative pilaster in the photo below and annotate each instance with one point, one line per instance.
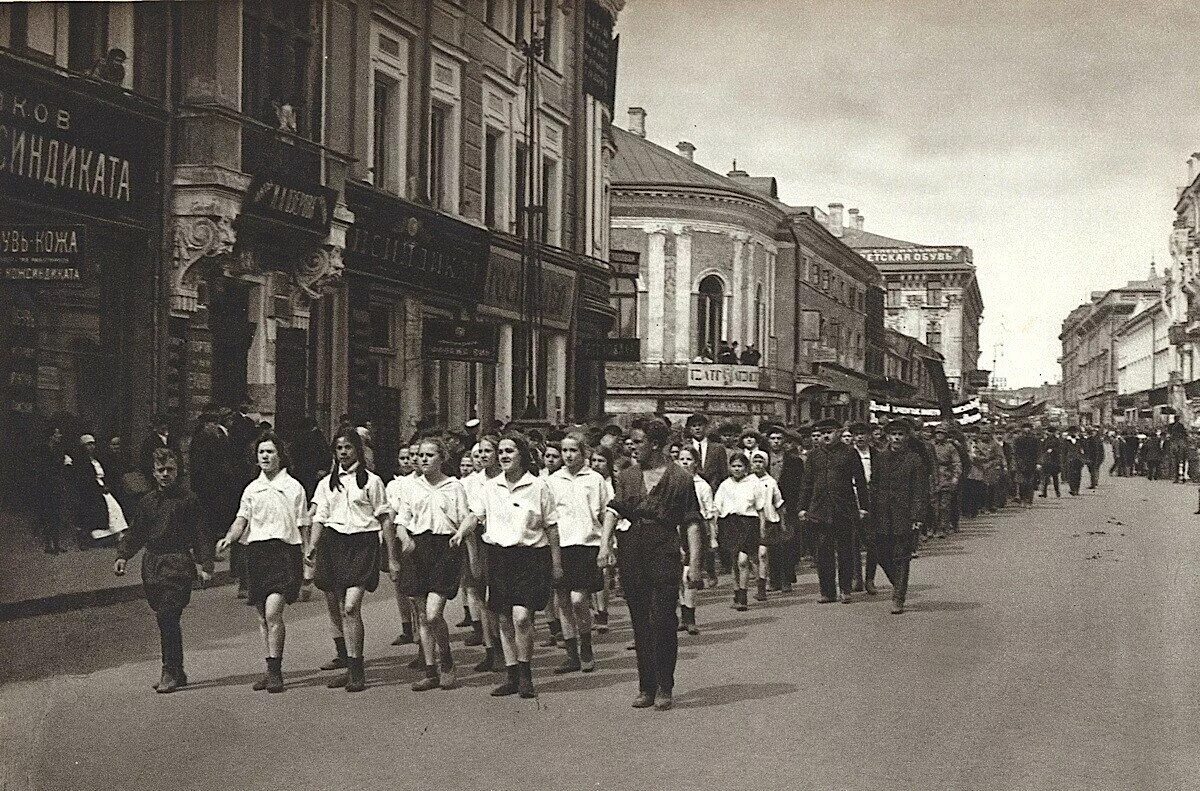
(656, 286)
(737, 331)
(683, 294)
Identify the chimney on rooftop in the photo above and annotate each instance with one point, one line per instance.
(686, 150)
(637, 121)
(736, 173)
(855, 219)
(835, 218)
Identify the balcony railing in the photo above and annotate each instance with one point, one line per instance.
(700, 375)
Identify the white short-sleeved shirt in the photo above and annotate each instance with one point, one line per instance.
(350, 509)
(427, 508)
(772, 497)
(397, 490)
(740, 498)
(518, 517)
(273, 508)
(579, 501)
(704, 494)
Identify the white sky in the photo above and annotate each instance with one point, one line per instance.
(1047, 136)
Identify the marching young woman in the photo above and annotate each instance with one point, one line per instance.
(688, 459)
(580, 497)
(272, 509)
(475, 569)
(396, 490)
(601, 460)
(760, 462)
(659, 500)
(520, 529)
(432, 513)
(740, 503)
(352, 510)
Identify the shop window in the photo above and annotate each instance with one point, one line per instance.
(710, 315)
(895, 296)
(520, 20)
(623, 297)
(281, 83)
(439, 142)
(550, 33)
(933, 336)
(810, 325)
(34, 30)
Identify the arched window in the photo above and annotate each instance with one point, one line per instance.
(710, 310)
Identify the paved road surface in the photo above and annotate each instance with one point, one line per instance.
(1046, 649)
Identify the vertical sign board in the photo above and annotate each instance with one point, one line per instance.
(359, 349)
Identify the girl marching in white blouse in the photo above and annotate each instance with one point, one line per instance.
(272, 510)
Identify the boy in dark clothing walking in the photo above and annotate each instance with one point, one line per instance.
(167, 522)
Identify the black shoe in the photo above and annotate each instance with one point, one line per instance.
(870, 588)
(509, 687)
(693, 630)
(663, 700)
(644, 700)
(339, 681)
(358, 676)
(569, 665)
(262, 683)
(403, 639)
(337, 663)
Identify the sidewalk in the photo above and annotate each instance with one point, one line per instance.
(34, 583)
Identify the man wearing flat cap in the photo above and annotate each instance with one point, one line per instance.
(899, 487)
(827, 501)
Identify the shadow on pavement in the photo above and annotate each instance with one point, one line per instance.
(942, 606)
(731, 693)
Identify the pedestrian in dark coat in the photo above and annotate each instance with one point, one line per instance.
(1050, 460)
(1025, 458)
(827, 501)
(51, 464)
(1093, 455)
(899, 487)
(167, 524)
(1073, 459)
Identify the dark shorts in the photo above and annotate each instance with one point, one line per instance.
(167, 579)
(777, 533)
(436, 567)
(273, 567)
(580, 572)
(347, 561)
(738, 534)
(518, 577)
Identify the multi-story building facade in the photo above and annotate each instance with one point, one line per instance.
(1181, 295)
(913, 372)
(1089, 358)
(932, 294)
(709, 261)
(395, 210)
(83, 141)
(1145, 361)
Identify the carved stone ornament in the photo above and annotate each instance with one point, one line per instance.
(202, 235)
(322, 271)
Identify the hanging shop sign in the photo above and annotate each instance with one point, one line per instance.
(725, 407)
(290, 203)
(600, 49)
(407, 244)
(502, 291)
(613, 350)
(43, 252)
(463, 341)
(78, 144)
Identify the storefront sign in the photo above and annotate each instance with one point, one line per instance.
(705, 375)
(291, 202)
(21, 387)
(502, 291)
(725, 407)
(613, 350)
(78, 145)
(42, 252)
(917, 255)
(464, 341)
(599, 54)
(403, 243)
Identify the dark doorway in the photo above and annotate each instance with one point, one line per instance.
(291, 375)
(232, 333)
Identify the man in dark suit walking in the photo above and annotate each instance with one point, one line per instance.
(864, 534)
(899, 495)
(713, 461)
(1073, 459)
(827, 501)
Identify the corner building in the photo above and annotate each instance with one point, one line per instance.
(701, 260)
